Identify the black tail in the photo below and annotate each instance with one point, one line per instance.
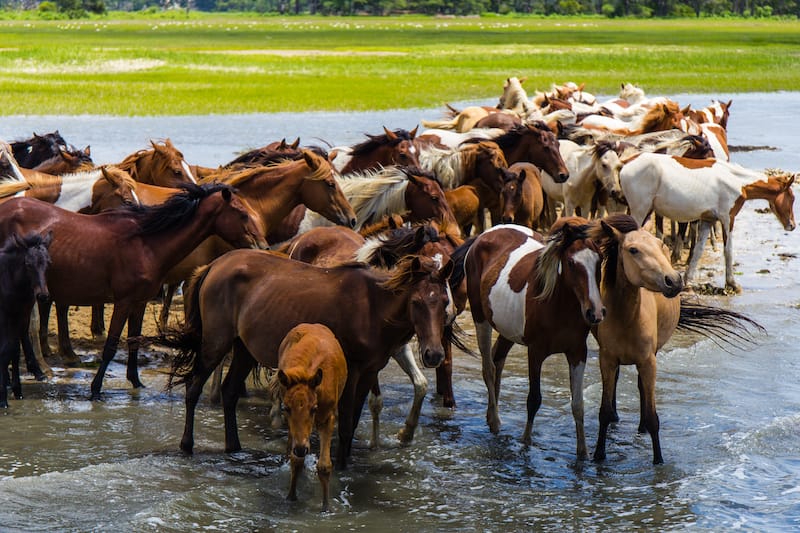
(458, 256)
(187, 338)
(720, 325)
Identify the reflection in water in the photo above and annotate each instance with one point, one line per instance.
(729, 422)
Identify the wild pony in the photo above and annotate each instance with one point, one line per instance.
(312, 373)
(68, 160)
(122, 255)
(707, 190)
(33, 151)
(662, 116)
(23, 262)
(9, 168)
(534, 143)
(639, 288)
(408, 191)
(390, 148)
(521, 198)
(162, 165)
(249, 300)
(716, 112)
(89, 191)
(543, 296)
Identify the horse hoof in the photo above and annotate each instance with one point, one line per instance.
(40, 376)
(95, 397)
(405, 435)
(138, 384)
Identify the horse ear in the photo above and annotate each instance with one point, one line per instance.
(686, 109)
(389, 134)
(88, 150)
(309, 159)
(227, 195)
(109, 176)
(728, 105)
(523, 79)
(611, 231)
(413, 133)
(419, 237)
(295, 144)
(282, 145)
(316, 380)
(283, 378)
(581, 86)
(445, 272)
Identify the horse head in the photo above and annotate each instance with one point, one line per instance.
(511, 195)
(488, 163)
(425, 198)
(235, 220)
(32, 253)
(783, 203)
(115, 188)
(299, 400)
(543, 151)
(320, 191)
(607, 166)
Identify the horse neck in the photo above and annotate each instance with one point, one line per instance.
(273, 197)
(762, 189)
(392, 314)
(387, 197)
(621, 298)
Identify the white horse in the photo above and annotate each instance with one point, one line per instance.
(707, 190)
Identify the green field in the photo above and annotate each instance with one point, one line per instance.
(199, 64)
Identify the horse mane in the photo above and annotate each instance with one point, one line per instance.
(447, 165)
(376, 191)
(15, 243)
(374, 142)
(129, 163)
(601, 148)
(608, 246)
(548, 263)
(513, 136)
(237, 176)
(385, 249)
(658, 117)
(403, 275)
(176, 212)
(10, 188)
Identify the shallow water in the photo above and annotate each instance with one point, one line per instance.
(730, 418)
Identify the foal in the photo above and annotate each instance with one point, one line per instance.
(312, 372)
(23, 262)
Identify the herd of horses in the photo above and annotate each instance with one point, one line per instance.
(324, 264)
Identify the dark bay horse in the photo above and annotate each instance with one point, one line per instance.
(543, 296)
(534, 143)
(162, 165)
(33, 151)
(68, 160)
(389, 148)
(249, 300)
(122, 256)
(23, 262)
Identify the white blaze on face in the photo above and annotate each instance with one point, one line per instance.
(508, 307)
(589, 259)
(188, 171)
(450, 310)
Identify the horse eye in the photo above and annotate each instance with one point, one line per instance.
(633, 251)
(286, 409)
(435, 198)
(332, 184)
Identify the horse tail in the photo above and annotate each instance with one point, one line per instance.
(458, 257)
(441, 124)
(719, 325)
(188, 338)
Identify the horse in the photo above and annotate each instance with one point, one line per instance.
(89, 191)
(662, 116)
(23, 262)
(68, 160)
(122, 255)
(408, 191)
(481, 164)
(9, 168)
(162, 165)
(522, 199)
(391, 148)
(312, 373)
(543, 296)
(716, 112)
(707, 190)
(39, 148)
(249, 300)
(465, 202)
(534, 143)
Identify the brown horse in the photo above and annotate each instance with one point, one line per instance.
(390, 148)
(312, 372)
(543, 296)
(465, 203)
(123, 255)
(33, 151)
(161, 165)
(522, 199)
(249, 300)
(68, 160)
(534, 143)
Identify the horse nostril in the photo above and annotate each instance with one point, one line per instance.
(300, 451)
(667, 281)
(43, 297)
(506, 220)
(432, 358)
(353, 223)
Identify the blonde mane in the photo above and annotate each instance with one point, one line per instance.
(375, 193)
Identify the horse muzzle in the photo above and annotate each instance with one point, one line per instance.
(300, 451)
(562, 177)
(432, 358)
(673, 285)
(594, 317)
(42, 297)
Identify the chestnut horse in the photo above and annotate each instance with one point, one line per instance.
(249, 300)
(390, 148)
(23, 262)
(534, 143)
(162, 165)
(543, 296)
(123, 255)
(312, 372)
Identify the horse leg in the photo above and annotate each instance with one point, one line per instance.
(98, 327)
(64, 343)
(241, 366)
(406, 361)
(297, 464)
(499, 354)
(727, 240)
(577, 366)
(5, 349)
(134, 331)
(659, 224)
(30, 356)
(535, 359)
(647, 375)
(118, 318)
(375, 408)
(195, 382)
(608, 371)
(35, 345)
(677, 242)
(163, 317)
(324, 464)
(346, 407)
(16, 384)
(697, 252)
(444, 372)
(44, 320)
(484, 333)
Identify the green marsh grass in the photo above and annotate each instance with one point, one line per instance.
(201, 63)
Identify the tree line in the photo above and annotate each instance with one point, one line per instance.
(607, 8)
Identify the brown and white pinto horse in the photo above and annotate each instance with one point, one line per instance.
(707, 190)
(162, 165)
(249, 300)
(123, 255)
(543, 296)
(312, 372)
(390, 148)
(662, 116)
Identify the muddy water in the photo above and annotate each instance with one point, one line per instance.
(730, 418)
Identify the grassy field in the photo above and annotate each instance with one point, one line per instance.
(199, 64)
